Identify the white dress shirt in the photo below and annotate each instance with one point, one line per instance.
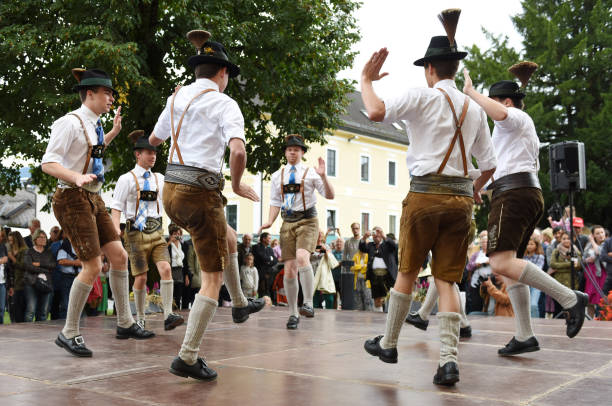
(313, 181)
(212, 120)
(431, 127)
(177, 255)
(67, 145)
(124, 197)
(516, 144)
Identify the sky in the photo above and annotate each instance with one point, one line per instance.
(405, 27)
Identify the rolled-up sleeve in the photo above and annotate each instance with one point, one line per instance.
(275, 190)
(232, 121)
(60, 140)
(120, 194)
(401, 106)
(162, 128)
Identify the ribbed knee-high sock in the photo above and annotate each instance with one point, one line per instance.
(231, 279)
(167, 292)
(79, 292)
(139, 301)
(307, 281)
(291, 291)
(464, 320)
(430, 300)
(534, 276)
(521, 303)
(399, 306)
(121, 293)
(201, 314)
(448, 327)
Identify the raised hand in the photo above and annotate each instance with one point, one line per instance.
(117, 121)
(371, 70)
(467, 85)
(320, 169)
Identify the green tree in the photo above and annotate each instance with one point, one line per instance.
(289, 51)
(569, 96)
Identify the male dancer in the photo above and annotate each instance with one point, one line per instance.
(207, 121)
(437, 212)
(292, 193)
(516, 208)
(138, 196)
(75, 157)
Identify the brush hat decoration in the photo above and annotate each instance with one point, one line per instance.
(209, 52)
(140, 141)
(444, 48)
(509, 88)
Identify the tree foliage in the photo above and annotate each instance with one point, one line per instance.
(569, 96)
(289, 51)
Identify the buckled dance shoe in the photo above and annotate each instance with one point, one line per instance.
(447, 375)
(74, 345)
(416, 320)
(199, 370)
(134, 331)
(241, 314)
(515, 347)
(307, 310)
(575, 315)
(388, 355)
(172, 321)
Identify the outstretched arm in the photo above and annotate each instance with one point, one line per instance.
(272, 215)
(370, 73)
(494, 109)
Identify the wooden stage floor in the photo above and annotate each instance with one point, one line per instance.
(322, 363)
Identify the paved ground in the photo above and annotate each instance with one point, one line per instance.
(323, 362)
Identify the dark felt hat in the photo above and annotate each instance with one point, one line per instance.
(209, 52)
(440, 49)
(506, 88)
(294, 140)
(140, 141)
(92, 78)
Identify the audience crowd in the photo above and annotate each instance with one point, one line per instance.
(37, 271)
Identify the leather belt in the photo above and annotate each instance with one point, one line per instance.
(299, 215)
(442, 185)
(192, 176)
(515, 181)
(152, 224)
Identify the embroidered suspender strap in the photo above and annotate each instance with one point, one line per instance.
(282, 183)
(303, 197)
(176, 134)
(138, 193)
(88, 143)
(458, 134)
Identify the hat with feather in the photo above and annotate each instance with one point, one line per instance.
(140, 141)
(209, 52)
(444, 48)
(89, 78)
(509, 88)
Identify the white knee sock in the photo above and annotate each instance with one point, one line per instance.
(430, 300)
(139, 302)
(534, 276)
(231, 279)
(121, 294)
(464, 320)
(166, 290)
(201, 314)
(79, 292)
(448, 326)
(291, 291)
(521, 303)
(399, 306)
(307, 282)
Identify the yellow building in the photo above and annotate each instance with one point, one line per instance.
(365, 163)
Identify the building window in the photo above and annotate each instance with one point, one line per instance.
(392, 222)
(365, 222)
(331, 219)
(331, 162)
(231, 215)
(365, 168)
(391, 173)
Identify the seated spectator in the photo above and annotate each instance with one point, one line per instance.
(496, 289)
(534, 254)
(38, 263)
(15, 254)
(595, 268)
(249, 277)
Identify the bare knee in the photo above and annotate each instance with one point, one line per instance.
(140, 281)
(165, 272)
(303, 258)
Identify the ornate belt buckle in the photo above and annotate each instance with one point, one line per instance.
(209, 181)
(148, 195)
(291, 188)
(97, 151)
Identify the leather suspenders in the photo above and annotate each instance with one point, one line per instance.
(458, 134)
(301, 187)
(175, 135)
(138, 192)
(89, 146)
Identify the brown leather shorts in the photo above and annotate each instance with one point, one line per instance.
(84, 219)
(200, 212)
(142, 246)
(513, 217)
(436, 223)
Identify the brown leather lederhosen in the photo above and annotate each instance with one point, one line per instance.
(138, 192)
(301, 186)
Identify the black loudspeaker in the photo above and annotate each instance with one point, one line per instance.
(567, 166)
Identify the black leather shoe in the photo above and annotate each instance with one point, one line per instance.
(575, 315)
(447, 375)
(172, 321)
(515, 347)
(292, 323)
(75, 345)
(199, 370)
(465, 332)
(241, 314)
(373, 347)
(417, 321)
(134, 331)
(306, 310)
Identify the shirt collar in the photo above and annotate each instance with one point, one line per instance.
(205, 83)
(139, 170)
(298, 166)
(446, 83)
(88, 114)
